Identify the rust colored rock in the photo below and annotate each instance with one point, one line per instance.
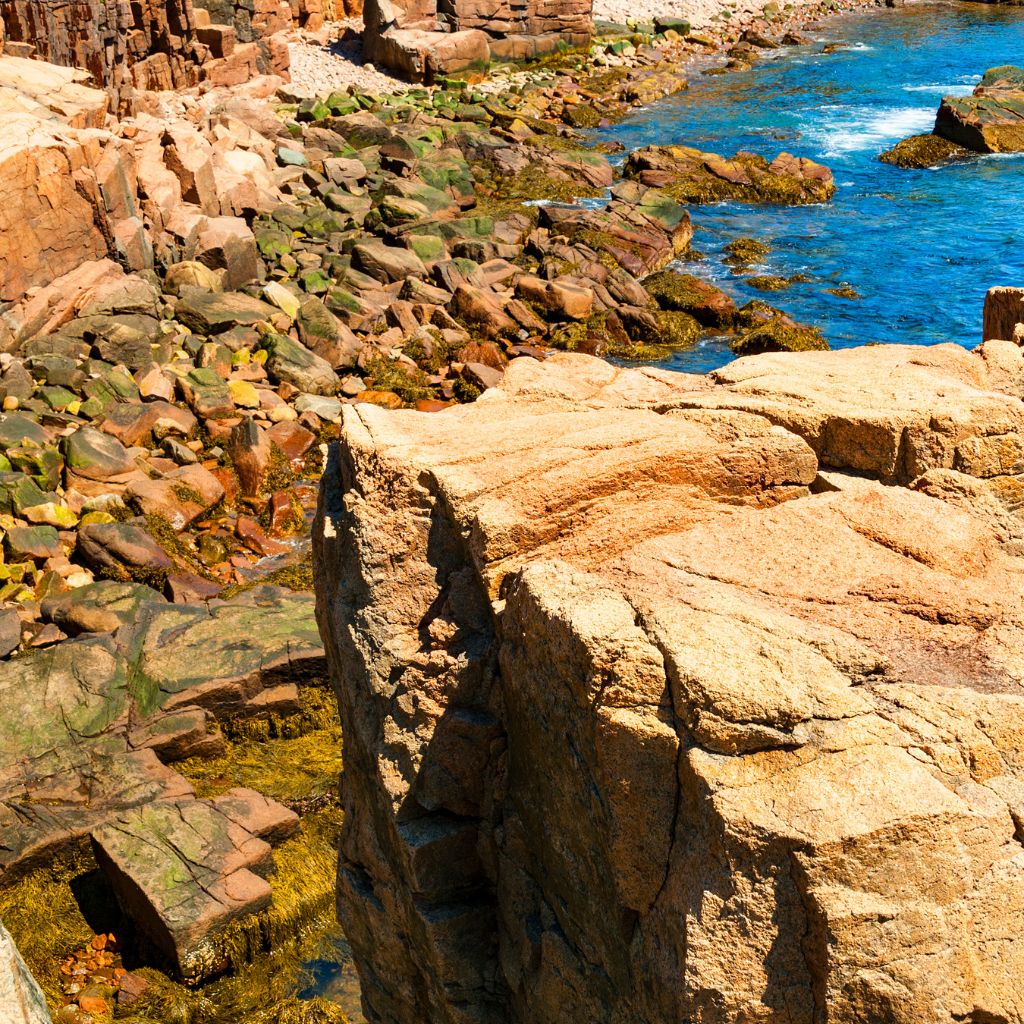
(51, 214)
(384, 399)
(250, 451)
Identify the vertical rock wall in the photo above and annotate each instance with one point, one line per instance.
(145, 45)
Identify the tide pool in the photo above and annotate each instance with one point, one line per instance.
(921, 247)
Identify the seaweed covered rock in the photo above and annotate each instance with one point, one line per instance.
(924, 151)
(691, 176)
(764, 328)
(688, 294)
(760, 748)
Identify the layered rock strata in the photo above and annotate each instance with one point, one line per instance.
(130, 48)
(683, 698)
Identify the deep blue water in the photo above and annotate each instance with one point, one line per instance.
(921, 247)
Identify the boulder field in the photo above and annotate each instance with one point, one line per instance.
(675, 698)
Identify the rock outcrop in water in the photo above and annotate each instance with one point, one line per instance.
(682, 698)
(691, 176)
(989, 121)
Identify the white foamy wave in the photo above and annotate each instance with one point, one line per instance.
(961, 89)
(867, 128)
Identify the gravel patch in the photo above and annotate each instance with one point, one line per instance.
(332, 59)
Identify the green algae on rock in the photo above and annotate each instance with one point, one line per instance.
(691, 176)
(924, 151)
(779, 334)
(990, 121)
(689, 294)
(744, 252)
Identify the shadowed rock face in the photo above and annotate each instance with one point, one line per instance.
(659, 705)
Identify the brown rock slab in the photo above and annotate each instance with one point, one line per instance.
(184, 871)
(181, 496)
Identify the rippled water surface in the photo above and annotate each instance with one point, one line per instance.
(921, 247)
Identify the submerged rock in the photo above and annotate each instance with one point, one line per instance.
(763, 328)
(622, 736)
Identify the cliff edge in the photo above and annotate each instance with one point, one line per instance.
(680, 698)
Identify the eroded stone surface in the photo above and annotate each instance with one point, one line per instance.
(651, 715)
(184, 871)
(90, 722)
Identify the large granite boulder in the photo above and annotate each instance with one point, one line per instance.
(684, 698)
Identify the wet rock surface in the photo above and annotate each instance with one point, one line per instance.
(990, 121)
(769, 729)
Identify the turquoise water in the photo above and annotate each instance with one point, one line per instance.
(921, 247)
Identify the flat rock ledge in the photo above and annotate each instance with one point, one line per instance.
(686, 698)
(183, 871)
(92, 728)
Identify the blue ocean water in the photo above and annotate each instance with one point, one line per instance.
(921, 247)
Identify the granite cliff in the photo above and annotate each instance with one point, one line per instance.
(684, 698)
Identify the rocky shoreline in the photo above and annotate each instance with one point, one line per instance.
(195, 298)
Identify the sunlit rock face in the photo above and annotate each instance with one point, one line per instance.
(683, 698)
